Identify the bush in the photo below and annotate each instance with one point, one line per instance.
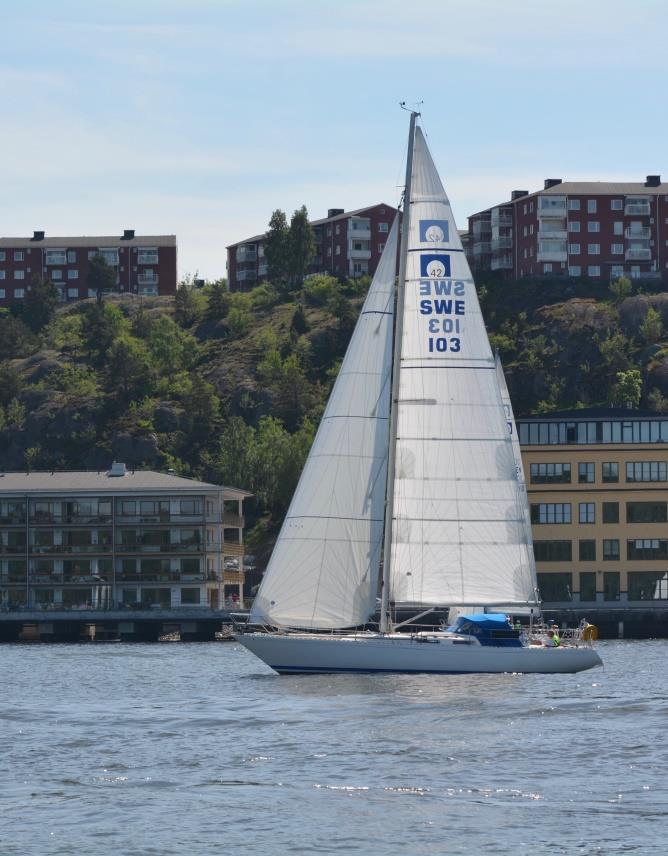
(320, 289)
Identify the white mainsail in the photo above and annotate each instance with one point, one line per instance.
(458, 533)
(323, 571)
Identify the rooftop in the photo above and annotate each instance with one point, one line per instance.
(89, 241)
(589, 413)
(105, 482)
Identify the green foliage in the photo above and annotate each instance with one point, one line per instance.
(31, 457)
(621, 288)
(102, 324)
(16, 339)
(202, 407)
(130, 369)
(320, 289)
(657, 401)
(100, 277)
(299, 325)
(190, 303)
(628, 389)
(171, 348)
(264, 296)
(11, 383)
(76, 381)
(217, 299)
(301, 246)
(284, 377)
(277, 247)
(239, 321)
(652, 327)
(65, 333)
(15, 415)
(39, 304)
(615, 352)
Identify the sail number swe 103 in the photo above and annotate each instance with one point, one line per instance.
(443, 312)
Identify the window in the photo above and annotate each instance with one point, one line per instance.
(553, 551)
(574, 249)
(19, 293)
(110, 257)
(646, 549)
(550, 473)
(71, 257)
(588, 586)
(56, 274)
(611, 549)
(587, 551)
(591, 206)
(191, 506)
(551, 512)
(338, 251)
(573, 204)
(574, 226)
(73, 292)
(381, 247)
(587, 512)
(594, 249)
(73, 274)
(646, 471)
(19, 274)
(611, 585)
(593, 226)
(383, 227)
(646, 512)
(55, 257)
(127, 507)
(2, 293)
(611, 512)
(610, 472)
(92, 254)
(586, 474)
(617, 249)
(19, 255)
(337, 229)
(547, 268)
(593, 270)
(3, 256)
(3, 274)
(647, 585)
(329, 251)
(555, 587)
(574, 270)
(616, 204)
(190, 596)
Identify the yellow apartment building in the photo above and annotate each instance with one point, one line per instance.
(597, 482)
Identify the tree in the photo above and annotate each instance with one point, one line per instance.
(652, 327)
(277, 247)
(129, 368)
(657, 401)
(171, 348)
(103, 323)
(16, 340)
(301, 246)
(218, 299)
(188, 304)
(39, 304)
(101, 276)
(621, 288)
(628, 389)
(202, 406)
(299, 325)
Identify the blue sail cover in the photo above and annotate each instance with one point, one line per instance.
(489, 628)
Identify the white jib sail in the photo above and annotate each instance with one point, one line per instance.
(458, 534)
(323, 572)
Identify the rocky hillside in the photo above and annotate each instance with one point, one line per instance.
(228, 387)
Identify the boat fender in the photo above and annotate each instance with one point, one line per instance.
(590, 633)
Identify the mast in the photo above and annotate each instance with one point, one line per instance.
(396, 359)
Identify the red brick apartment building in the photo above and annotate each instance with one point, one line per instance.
(347, 244)
(593, 229)
(144, 265)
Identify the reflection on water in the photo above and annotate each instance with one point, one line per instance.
(199, 749)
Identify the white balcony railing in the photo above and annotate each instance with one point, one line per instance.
(246, 254)
(504, 242)
(553, 234)
(148, 279)
(246, 275)
(482, 247)
(638, 208)
(548, 206)
(637, 232)
(359, 254)
(147, 258)
(639, 254)
(501, 263)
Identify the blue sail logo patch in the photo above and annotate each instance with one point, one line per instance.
(434, 231)
(435, 264)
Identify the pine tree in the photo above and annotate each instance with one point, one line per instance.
(277, 247)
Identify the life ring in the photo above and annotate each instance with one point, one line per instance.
(590, 633)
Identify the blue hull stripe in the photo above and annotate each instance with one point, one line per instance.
(308, 670)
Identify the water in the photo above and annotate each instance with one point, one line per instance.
(196, 749)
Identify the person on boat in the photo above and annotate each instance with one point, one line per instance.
(555, 631)
(550, 642)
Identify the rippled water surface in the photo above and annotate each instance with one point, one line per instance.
(197, 749)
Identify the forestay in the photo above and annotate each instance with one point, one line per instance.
(458, 535)
(323, 571)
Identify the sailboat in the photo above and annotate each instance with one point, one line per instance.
(413, 486)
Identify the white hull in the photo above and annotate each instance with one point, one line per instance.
(437, 653)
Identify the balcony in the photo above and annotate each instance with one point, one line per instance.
(501, 217)
(147, 279)
(548, 206)
(502, 263)
(359, 254)
(146, 257)
(503, 242)
(246, 276)
(233, 519)
(641, 233)
(482, 247)
(263, 269)
(638, 254)
(246, 254)
(637, 207)
(359, 229)
(482, 229)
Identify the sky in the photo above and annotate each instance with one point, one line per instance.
(200, 117)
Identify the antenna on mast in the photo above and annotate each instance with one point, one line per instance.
(415, 109)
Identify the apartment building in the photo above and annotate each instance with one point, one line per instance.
(348, 244)
(76, 540)
(597, 481)
(594, 230)
(144, 265)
